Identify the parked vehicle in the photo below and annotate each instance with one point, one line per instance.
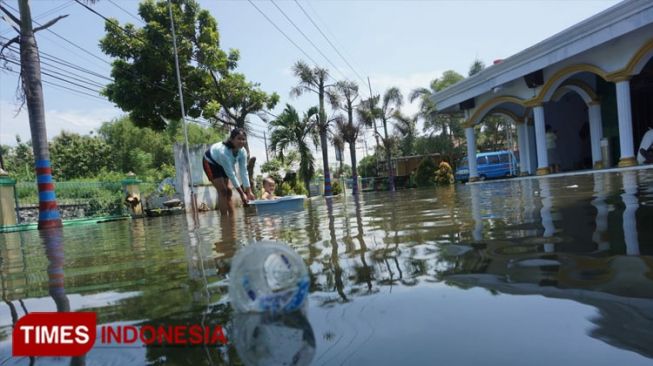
(494, 164)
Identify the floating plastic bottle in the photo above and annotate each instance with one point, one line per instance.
(267, 277)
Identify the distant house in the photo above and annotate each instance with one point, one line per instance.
(590, 82)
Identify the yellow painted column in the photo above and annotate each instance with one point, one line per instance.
(7, 199)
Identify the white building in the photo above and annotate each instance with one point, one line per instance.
(591, 81)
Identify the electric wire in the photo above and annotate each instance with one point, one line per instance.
(329, 41)
(308, 39)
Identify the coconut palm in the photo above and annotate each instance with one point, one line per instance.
(407, 128)
(427, 108)
(314, 80)
(344, 97)
(390, 104)
(288, 130)
(338, 143)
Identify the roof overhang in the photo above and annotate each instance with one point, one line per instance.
(605, 26)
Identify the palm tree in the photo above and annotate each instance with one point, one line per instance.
(391, 102)
(407, 128)
(288, 130)
(346, 93)
(314, 80)
(428, 110)
(338, 144)
(476, 67)
(30, 71)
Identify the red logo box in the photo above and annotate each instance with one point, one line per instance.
(54, 334)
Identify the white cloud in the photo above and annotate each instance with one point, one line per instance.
(72, 120)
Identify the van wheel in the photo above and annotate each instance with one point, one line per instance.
(481, 178)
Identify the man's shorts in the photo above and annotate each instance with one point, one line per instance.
(211, 168)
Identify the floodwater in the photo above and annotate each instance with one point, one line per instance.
(522, 272)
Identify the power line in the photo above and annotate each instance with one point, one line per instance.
(47, 82)
(67, 41)
(49, 58)
(49, 73)
(282, 32)
(308, 39)
(45, 13)
(126, 11)
(329, 41)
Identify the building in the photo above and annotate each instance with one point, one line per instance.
(590, 82)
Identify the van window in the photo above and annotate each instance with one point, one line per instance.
(481, 160)
(504, 158)
(493, 159)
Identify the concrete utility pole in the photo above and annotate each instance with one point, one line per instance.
(30, 68)
(265, 141)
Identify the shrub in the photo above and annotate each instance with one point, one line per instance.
(444, 174)
(425, 175)
(336, 188)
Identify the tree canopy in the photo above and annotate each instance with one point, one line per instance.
(145, 83)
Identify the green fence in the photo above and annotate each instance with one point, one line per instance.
(77, 199)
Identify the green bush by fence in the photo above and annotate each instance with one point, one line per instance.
(94, 198)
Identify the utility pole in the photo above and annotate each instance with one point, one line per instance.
(30, 67)
(265, 141)
(193, 198)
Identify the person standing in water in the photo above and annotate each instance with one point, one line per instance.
(219, 162)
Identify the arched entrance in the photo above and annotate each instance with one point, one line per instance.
(641, 91)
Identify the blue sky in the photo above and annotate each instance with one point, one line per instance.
(394, 43)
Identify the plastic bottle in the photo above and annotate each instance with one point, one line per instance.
(267, 277)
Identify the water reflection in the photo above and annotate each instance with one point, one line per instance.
(629, 179)
(262, 339)
(600, 236)
(545, 212)
(405, 269)
(475, 194)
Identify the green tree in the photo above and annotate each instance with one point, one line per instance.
(237, 99)
(314, 80)
(367, 166)
(76, 156)
(147, 152)
(20, 161)
(145, 84)
(289, 130)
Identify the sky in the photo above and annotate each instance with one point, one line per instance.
(395, 43)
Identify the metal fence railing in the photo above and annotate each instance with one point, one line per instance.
(77, 199)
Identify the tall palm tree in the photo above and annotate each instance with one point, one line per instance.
(390, 104)
(338, 143)
(289, 130)
(344, 97)
(314, 80)
(30, 71)
(407, 128)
